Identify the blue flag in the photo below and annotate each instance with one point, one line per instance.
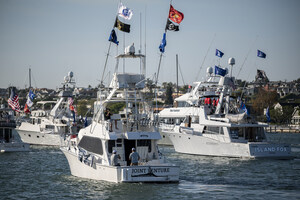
(220, 71)
(268, 115)
(163, 44)
(261, 54)
(243, 108)
(31, 95)
(74, 117)
(113, 37)
(85, 122)
(219, 53)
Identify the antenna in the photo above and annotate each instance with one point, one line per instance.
(29, 78)
(177, 73)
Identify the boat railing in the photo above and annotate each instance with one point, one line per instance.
(122, 125)
(138, 125)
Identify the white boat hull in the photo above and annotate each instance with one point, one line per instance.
(13, 147)
(200, 145)
(39, 138)
(164, 140)
(157, 173)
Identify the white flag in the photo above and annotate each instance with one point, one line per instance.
(29, 102)
(125, 12)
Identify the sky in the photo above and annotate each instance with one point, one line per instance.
(53, 37)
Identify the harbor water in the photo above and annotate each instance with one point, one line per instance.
(43, 173)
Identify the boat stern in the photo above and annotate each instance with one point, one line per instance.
(164, 173)
(267, 150)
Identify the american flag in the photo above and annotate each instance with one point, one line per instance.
(70, 101)
(13, 101)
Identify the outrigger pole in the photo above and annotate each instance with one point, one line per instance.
(201, 66)
(101, 83)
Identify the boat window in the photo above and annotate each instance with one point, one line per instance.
(260, 135)
(91, 144)
(169, 121)
(254, 134)
(234, 132)
(66, 129)
(195, 119)
(39, 121)
(119, 142)
(212, 130)
(49, 127)
(111, 144)
(144, 143)
(221, 131)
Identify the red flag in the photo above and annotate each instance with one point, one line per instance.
(26, 109)
(175, 15)
(71, 107)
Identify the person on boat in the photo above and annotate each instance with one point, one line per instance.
(107, 116)
(134, 157)
(114, 159)
(214, 102)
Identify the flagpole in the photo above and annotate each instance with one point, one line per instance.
(158, 68)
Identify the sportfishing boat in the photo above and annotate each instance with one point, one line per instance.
(219, 130)
(52, 119)
(89, 153)
(9, 139)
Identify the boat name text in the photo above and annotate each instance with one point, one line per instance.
(150, 170)
(270, 149)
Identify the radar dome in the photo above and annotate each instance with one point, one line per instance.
(130, 50)
(231, 61)
(209, 70)
(70, 74)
